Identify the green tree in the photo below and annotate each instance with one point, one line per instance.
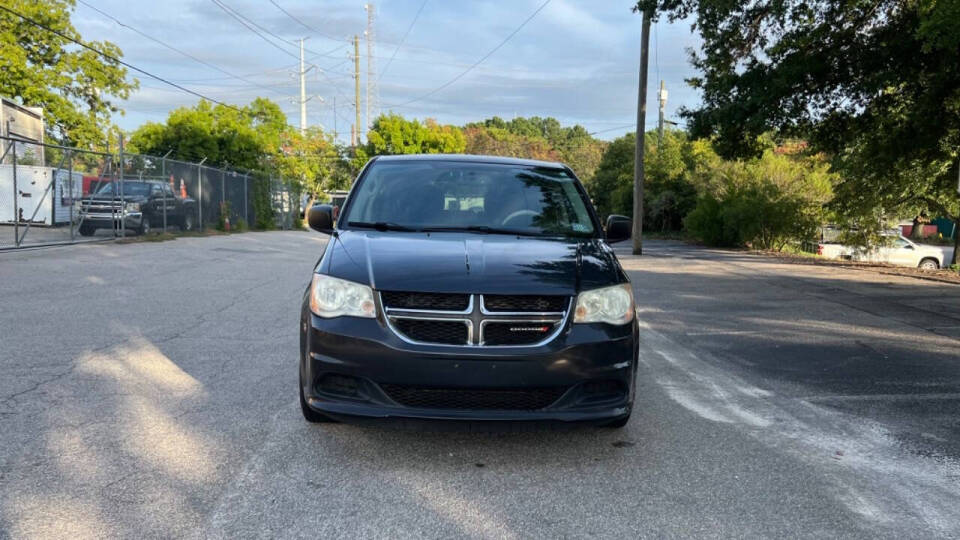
(394, 134)
(873, 84)
(255, 137)
(765, 202)
(573, 145)
(611, 187)
(495, 141)
(669, 190)
(75, 87)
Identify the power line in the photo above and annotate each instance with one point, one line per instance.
(592, 133)
(176, 50)
(402, 40)
(307, 26)
(242, 20)
(478, 62)
(117, 60)
(260, 30)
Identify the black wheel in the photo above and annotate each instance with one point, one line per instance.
(618, 423)
(144, 226)
(311, 415)
(86, 230)
(186, 223)
(929, 264)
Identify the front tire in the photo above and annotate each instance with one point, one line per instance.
(86, 230)
(144, 226)
(929, 264)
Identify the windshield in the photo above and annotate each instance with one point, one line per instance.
(134, 189)
(470, 196)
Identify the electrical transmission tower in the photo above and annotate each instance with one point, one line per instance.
(372, 97)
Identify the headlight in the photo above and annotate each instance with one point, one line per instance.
(132, 207)
(612, 305)
(333, 297)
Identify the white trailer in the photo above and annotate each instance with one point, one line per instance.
(44, 195)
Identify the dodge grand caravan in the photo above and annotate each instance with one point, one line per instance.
(467, 288)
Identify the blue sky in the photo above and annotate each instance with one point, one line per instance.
(576, 60)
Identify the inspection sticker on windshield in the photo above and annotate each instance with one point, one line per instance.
(579, 227)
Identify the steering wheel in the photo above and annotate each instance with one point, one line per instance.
(517, 214)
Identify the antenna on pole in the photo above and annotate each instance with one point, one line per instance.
(303, 93)
(663, 106)
(372, 97)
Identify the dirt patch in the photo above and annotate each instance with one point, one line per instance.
(944, 276)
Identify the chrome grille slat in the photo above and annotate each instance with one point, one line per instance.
(475, 317)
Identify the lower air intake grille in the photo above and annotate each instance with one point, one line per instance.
(529, 399)
(429, 331)
(432, 301)
(524, 302)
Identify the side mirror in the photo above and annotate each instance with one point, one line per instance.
(619, 228)
(320, 218)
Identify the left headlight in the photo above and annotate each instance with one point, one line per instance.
(612, 305)
(132, 207)
(333, 297)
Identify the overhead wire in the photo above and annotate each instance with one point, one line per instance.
(478, 62)
(402, 40)
(115, 59)
(252, 27)
(176, 50)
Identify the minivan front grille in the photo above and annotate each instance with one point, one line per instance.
(450, 332)
(429, 301)
(527, 399)
(475, 320)
(525, 303)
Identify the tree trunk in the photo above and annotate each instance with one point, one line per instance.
(956, 241)
(917, 232)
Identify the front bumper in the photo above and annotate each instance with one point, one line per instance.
(580, 360)
(131, 220)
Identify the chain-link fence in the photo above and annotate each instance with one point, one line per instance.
(52, 194)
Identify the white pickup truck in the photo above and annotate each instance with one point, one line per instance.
(900, 252)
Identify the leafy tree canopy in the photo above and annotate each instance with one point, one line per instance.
(875, 84)
(256, 136)
(572, 145)
(75, 87)
(394, 134)
(496, 141)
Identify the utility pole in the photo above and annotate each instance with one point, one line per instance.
(335, 119)
(303, 94)
(955, 258)
(641, 128)
(663, 106)
(355, 135)
(123, 204)
(371, 103)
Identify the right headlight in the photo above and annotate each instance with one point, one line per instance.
(611, 305)
(333, 297)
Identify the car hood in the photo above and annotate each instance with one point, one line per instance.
(472, 263)
(108, 198)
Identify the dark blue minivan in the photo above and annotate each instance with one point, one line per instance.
(467, 288)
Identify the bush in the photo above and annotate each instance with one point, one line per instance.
(764, 203)
(263, 214)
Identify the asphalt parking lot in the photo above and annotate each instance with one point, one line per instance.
(149, 390)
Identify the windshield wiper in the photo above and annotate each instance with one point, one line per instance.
(484, 229)
(382, 226)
